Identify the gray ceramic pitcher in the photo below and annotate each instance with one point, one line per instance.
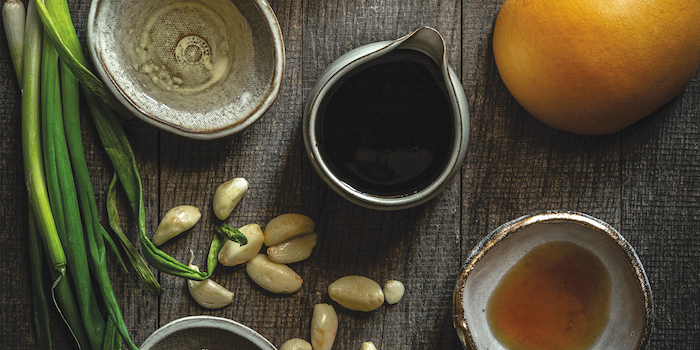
(429, 42)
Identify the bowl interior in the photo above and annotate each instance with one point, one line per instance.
(627, 322)
(205, 332)
(195, 66)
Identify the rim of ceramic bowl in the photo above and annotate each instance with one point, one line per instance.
(204, 321)
(266, 102)
(497, 236)
(335, 72)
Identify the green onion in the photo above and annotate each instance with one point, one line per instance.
(86, 323)
(54, 209)
(35, 176)
(13, 17)
(41, 216)
(136, 259)
(119, 151)
(59, 95)
(68, 309)
(31, 149)
(95, 233)
(112, 339)
(40, 307)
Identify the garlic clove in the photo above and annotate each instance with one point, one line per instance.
(293, 250)
(228, 195)
(357, 293)
(273, 277)
(296, 344)
(324, 326)
(232, 253)
(286, 226)
(368, 345)
(393, 291)
(208, 293)
(176, 221)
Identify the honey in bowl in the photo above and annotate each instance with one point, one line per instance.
(557, 296)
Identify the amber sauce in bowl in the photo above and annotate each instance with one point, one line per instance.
(553, 280)
(556, 297)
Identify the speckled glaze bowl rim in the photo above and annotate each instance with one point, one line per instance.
(262, 107)
(351, 60)
(553, 216)
(204, 321)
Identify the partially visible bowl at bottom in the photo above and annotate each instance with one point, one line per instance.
(205, 332)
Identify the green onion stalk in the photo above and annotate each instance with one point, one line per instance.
(137, 260)
(54, 213)
(60, 94)
(14, 20)
(31, 149)
(40, 306)
(41, 215)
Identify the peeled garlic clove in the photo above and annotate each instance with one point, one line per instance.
(272, 276)
(324, 326)
(232, 253)
(176, 221)
(357, 293)
(296, 344)
(293, 250)
(208, 293)
(287, 226)
(368, 345)
(228, 195)
(393, 291)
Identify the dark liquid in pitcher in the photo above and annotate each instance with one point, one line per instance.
(388, 128)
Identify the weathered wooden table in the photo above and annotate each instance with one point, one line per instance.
(644, 181)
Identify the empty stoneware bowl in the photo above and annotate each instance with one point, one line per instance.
(203, 69)
(553, 280)
(205, 332)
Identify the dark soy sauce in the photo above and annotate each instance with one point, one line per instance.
(387, 128)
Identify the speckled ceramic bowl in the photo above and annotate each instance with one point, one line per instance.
(205, 332)
(631, 307)
(203, 69)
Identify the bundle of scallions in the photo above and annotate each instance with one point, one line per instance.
(64, 230)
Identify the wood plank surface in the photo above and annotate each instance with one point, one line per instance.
(643, 181)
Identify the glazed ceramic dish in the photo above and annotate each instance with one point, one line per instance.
(205, 332)
(631, 308)
(425, 40)
(198, 68)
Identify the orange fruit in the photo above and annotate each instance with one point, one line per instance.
(595, 67)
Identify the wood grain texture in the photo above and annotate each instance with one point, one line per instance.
(643, 181)
(660, 213)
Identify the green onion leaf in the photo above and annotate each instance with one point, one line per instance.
(40, 307)
(232, 234)
(136, 259)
